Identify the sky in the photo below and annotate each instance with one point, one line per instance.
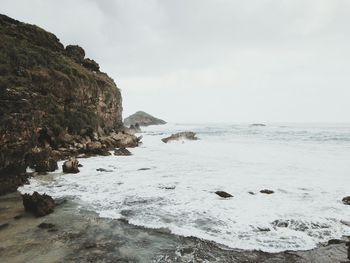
(212, 60)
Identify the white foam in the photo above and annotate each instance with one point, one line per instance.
(309, 174)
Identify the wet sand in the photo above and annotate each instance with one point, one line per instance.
(77, 235)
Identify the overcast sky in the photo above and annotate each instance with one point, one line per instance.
(212, 60)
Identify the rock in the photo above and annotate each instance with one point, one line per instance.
(122, 152)
(40, 160)
(91, 64)
(142, 118)
(346, 200)
(46, 225)
(336, 241)
(144, 169)
(75, 52)
(39, 205)
(96, 147)
(71, 166)
(258, 125)
(125, 140)
(251, 193)
(180, 136)
(135, 127)
(9, 183)
(266, 191)
(223, 194)
(103, 170)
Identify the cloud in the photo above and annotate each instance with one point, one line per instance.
(252, 60)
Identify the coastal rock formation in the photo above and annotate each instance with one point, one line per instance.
(142, 118)
(71, 166)
(39, 205)
(41, 160)
(52, 98)
(346, 200)
(180, 136)
(223, 194)
(122, 152)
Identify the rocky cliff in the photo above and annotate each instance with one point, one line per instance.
(49, 92)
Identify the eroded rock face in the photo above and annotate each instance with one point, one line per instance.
(180, 136)
(142, 118)
(71, 166)
(39, 205)
(47, 92)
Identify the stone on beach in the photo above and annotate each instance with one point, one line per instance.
(223, 194)
(39, 205)
(71, 166)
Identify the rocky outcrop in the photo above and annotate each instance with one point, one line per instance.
(54, 98)
(71, 166)
(142, 118)
(181, 136)
(39, 205)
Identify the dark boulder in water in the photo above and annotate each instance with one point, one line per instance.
(122, 152)
(180, 136)
(41, 160)
(71, 166)
(346, 200)
(223, 194)
(266, 191)
(39, 205)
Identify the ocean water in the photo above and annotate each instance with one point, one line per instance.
(307, 166)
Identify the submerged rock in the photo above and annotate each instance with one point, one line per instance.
(71, 166)
(346, 200)
(122, 152)
(181, 135)
(258, 125)
(103, 170)
(39, 205)
(142, 118)
(266, 191)
(223, 194)
(46, 225)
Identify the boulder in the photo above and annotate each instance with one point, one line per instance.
(223, 194)
(91, 64)
(125, 140)
(346, 200)
(75, 52)
(180, 136)
(40, 160)
(135, 128)
(71, 166)
(39, 205)
(142, 118)
(122, 152)
(266, 191)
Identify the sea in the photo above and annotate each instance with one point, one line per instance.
(172, 185)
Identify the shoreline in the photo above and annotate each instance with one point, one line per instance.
(77, 235)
